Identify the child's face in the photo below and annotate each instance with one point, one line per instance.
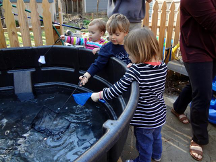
(117, 37)
(94, 33)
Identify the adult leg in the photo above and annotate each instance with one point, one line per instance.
(200, 75)
(185, 97)
(181, 103)
(144, 139)
(157, 144)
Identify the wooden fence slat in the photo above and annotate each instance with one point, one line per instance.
(155, 18)
(177, 28)
(36, 27)
(47, 23)
(146, 18)
(60, 17)
(170, 27)
(10, 23)
(2, 37)
(23, 22)
(162, 26)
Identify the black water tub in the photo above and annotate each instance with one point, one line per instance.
(21, 73)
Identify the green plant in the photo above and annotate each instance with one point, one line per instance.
(86, 22)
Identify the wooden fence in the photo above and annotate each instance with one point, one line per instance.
(24, 29)
(164, 23)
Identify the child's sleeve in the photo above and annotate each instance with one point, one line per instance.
(100, 61)
(75, 40)
(122, 85)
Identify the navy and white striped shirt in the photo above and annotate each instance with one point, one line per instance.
(151, 109)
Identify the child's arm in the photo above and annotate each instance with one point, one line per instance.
(95, 46)
(96, 96)
(84, 79)
(94, 51)
(62, 37)
(73, 40)
(99, 64)
(119, 87)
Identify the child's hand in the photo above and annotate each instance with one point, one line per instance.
(84, 78)
(95, 96)
(129, 65)
(94, 51)
(62, 37)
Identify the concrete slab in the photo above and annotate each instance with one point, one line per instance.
(176, 139)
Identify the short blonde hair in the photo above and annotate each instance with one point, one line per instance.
(142, 44)
(118, 22)
(100, 23)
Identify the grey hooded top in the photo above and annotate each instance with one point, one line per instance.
(134, 10)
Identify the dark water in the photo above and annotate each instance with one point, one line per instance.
(40, 130)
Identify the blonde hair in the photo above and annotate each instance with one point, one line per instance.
(118, 22)
(143, 45)
(100, 23)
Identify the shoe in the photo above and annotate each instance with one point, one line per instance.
(181, 117)
(129, 161)
(156, 159)
(196, 151)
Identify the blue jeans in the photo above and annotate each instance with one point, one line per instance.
(148, 144)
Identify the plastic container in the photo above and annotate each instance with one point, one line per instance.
(212, 109)
(62, 66)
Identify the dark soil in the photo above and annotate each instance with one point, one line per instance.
(175, 83)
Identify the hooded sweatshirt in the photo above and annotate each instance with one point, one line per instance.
(134, 10)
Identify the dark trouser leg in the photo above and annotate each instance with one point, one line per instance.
(183, 99)
(201, 76)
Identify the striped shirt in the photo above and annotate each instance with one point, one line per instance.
(86, 42)
(151, 109)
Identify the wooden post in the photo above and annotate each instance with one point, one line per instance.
(146, 18)
(162, 27)
(98, 1)
(2, 37)
(77, 6)
(23, 21)
(83, 7)
(72, 7)
(170, 29)
(55, 35)
(67, 9)
(36, 25)
(10, 23)
(60, 17)
(155, 18)
(92, 16)
(47, 23)
(177, 28)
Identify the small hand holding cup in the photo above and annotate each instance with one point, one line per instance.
(97, 96)
(84, 78)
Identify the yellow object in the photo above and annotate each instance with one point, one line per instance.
(174, 51)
